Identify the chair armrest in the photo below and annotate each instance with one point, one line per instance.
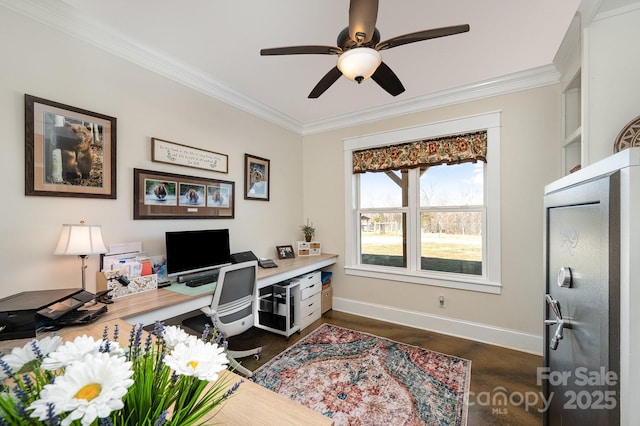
(207, 311)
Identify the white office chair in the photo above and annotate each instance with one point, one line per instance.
(232, 307)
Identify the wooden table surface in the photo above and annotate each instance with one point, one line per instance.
(251, 404)
(149, 301)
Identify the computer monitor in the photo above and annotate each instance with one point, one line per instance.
(195, 251)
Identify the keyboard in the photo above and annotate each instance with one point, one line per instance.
(198, 283)
(211, 278)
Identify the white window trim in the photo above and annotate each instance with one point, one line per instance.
(491, 282)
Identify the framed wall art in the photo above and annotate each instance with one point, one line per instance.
(159, 195)
(174, 153)
(69, 152)
(257, 175)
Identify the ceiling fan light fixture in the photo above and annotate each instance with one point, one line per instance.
(359, 63)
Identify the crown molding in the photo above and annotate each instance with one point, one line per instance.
(61, 16)
(529, 79)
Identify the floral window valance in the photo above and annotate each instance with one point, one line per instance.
(469, 147)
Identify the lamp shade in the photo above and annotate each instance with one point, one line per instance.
(80, 240)
(359, 63)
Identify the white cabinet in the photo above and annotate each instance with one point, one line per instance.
(310, 310)
(310, 298)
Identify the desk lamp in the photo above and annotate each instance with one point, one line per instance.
(80, 240)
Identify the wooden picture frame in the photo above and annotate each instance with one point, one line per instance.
(257, 178)
(69, 151)
(285, 252)
(163, 151)
(159, 195)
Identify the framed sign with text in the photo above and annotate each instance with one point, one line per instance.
(174, 153)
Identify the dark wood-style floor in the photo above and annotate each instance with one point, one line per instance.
(498, 375)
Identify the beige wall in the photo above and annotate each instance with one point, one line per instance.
(612, 87)
(530, 159)
(48, 64)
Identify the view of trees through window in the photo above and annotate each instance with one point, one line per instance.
(450, 211)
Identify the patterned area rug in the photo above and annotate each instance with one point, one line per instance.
(361, 379)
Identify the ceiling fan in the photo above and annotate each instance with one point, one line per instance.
(358, 49)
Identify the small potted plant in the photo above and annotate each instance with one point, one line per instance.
(308, 230)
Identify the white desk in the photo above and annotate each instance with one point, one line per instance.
(157, 305)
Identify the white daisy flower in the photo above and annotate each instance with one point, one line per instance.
(197, 358)
(87, 390)
(174, 335)
(20, 357)
(76, 350)
(49, 344)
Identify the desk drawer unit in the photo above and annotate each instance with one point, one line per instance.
(310, 310)
(309, 305)
(310, 284)
(310, 298)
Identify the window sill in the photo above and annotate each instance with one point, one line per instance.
(460, 282)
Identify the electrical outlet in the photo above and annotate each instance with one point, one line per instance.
(441, 301)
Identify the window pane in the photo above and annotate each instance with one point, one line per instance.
(451, 242)
(382, 189)
(454, 185)
(382, 239)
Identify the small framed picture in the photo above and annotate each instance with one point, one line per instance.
(257, 175)
(285, 252)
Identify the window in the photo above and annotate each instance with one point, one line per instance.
(435, 223)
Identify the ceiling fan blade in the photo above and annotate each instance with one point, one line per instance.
(302, 50)
(388, 80)
(422, 35)
(362, 20)
(329, 78)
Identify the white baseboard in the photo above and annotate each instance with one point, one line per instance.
(468, 330)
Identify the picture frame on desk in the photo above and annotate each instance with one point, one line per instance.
(285, 252)
(69, 151)
(159, 195)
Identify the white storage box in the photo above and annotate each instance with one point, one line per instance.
(311, 248)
